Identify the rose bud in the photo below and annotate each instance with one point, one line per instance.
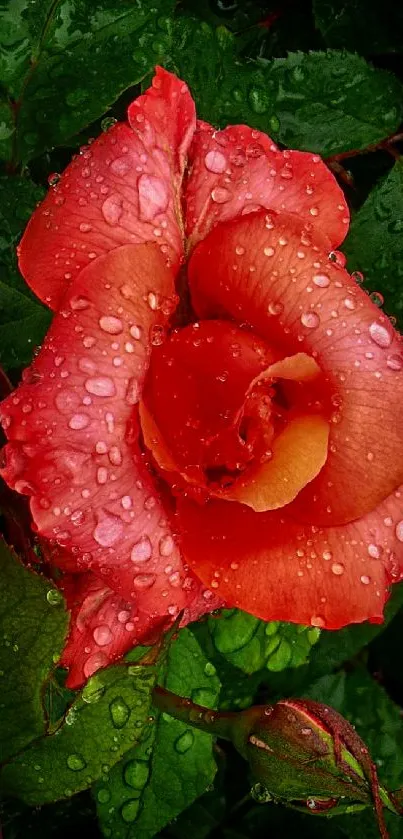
(301, 754)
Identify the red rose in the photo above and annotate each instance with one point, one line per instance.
(240, 418)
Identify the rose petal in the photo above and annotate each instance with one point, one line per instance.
(239, 170)
(74, 431)
(299, 300)
(124, 188)
(298, 455)
(276, 569)
(104, 626)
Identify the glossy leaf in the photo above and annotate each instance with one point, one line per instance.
(251, 644)
(68, 62)
(172, 765)
(102, 723)
(33, 624)
(324, 102)
(374, 244)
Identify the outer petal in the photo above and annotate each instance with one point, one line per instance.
(267, 564)
(267, 272)
(238, 170)
(104, 626)
(124, 188)
(74, 435)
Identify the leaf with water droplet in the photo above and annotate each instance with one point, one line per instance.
(102, 723)
(67, 63)
(375, 242)
(32, 632)
(141, 801)
(251, 644)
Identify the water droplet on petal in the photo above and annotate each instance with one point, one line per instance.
(111, 324)
(318, 621)
(79, 421)
(220, 195)
(153, 196)
(374, 551)
(377, 298)
(399, 531)
(166, 545)
(102, 635)
(275, 308)
(338, 569)
(395, 362)
(112, 209)
(100, 386)
(321, 280)
(215, 162)
(380, 335)
(144, 581)
(142, 550)
(54, 179)
(93, 663)
(108, 530)
(310, 320)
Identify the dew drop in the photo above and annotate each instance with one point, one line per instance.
(220, 195)
(215, 162)
(399, 531)
(112, 209)
(394, 362)
(321, 280)
(102, 635)
(310, 320)
(268, 251)
(166, 545)
(136, 773)
(380, 335)
(365, 579)
(275, 308)
(318, 621)
(54, 179)
(153, 196)
(111, 324)
(100, 386)
(93, 663)
(184, 742)
(119, 711)
(144, 581)
(77, 303)
(374, 551)
(377, 298)
(338, 569)
(76, 762)
(141, 550)
(79, 421)
(108, 530)
(132, 392)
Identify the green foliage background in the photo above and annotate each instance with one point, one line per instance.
(324, 76)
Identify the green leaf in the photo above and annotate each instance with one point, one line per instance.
(377, 719)
(325, 102)
(23, 320)
(374, 244)
(367, 26)
(173, 765)
(7, 129)
(252, 644)
(33, 624)
(68, 62)
(103, 722)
